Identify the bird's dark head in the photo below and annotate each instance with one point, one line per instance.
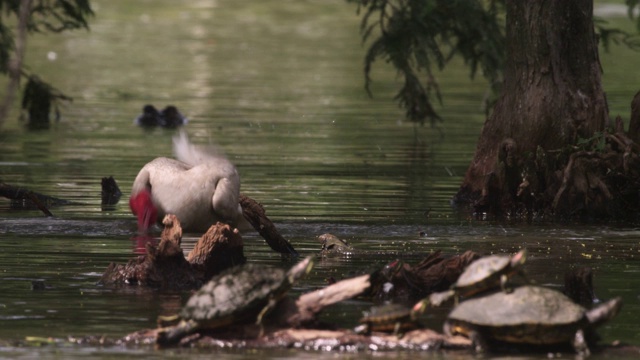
(150, 117)
(150, 110)
(142, 206)
(172, 117)
(170, 110)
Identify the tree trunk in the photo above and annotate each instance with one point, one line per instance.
(552, 93)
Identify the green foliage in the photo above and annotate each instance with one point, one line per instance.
(634, 6)
(44, 16)
(608, 35)
(51, 15)
(419, 37)
(596, 143)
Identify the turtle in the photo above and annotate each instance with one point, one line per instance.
(241, 294)
(529, 314)
(395, 318)
(331, 244)
(483, 274)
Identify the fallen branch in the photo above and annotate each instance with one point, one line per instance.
(19, 194)
(309, 305)
(254, 213)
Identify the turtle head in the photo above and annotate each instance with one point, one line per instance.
(421, 305)
(300, 269)
(391, 269)
(604, 312)
(519, 258)
(142, 206)
(331, 243)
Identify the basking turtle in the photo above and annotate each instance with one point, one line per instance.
(528, 315)
(394, 318)
(331, 244)
(238, 295)
(483, 274)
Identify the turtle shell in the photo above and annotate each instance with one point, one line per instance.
(331, 244)
(528, 314)
(486, 272)
(240, 293)
(388, 318)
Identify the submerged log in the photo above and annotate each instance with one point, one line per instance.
(311, 339)
(165, 266)
(22, 198)
(314, 340)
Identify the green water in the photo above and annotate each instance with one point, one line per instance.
(279, 87)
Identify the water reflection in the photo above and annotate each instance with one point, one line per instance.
(278, 86)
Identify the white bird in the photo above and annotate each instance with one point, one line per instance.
(201, 188)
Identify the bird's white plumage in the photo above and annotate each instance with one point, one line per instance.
(201, 187)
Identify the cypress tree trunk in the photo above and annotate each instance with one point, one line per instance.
(552, 94)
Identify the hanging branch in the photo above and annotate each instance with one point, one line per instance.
(15, 65)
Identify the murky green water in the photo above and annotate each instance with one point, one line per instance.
(279, 87)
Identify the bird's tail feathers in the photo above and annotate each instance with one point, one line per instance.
(194, 155)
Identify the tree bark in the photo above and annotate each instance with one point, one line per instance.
(552, 93)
